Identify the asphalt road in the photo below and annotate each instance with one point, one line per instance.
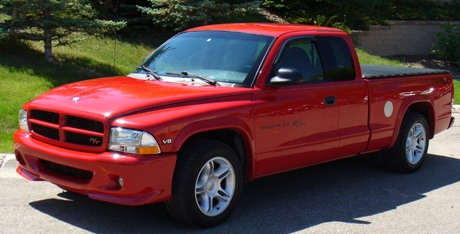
(346, 196)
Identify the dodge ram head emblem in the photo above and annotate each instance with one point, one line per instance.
(75, 99)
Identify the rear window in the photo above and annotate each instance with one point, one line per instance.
(337, 59)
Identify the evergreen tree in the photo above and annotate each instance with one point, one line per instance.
(180, 14)
(58, 22)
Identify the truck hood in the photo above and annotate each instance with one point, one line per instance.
(114, 96)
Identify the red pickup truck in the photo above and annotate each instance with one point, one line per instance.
(218, 105)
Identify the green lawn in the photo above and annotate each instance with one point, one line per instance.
(366, 58)
(457, 91)
(24, 75)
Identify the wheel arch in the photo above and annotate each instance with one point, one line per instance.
(422, 106)
(237, 137)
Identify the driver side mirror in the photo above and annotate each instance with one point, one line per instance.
(286, 76)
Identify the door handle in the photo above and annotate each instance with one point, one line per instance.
(330, 101)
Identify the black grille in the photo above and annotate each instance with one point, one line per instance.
(67, 129)
(82, 139)
(46, 131)
(86, 124)
(45, 116)
(65, 170)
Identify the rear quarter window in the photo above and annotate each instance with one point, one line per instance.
(337, 59)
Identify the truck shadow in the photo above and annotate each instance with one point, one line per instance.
(342, 191)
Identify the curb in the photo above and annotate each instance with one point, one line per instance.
(456, 108)
(4, 158)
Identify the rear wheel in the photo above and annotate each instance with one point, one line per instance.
(411, 147)
(206, 185)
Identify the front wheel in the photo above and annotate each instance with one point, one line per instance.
(411, 147)
(206, 185)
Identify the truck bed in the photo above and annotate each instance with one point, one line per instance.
(381, 71)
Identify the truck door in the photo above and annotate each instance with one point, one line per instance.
(352, 94)
(296, 124)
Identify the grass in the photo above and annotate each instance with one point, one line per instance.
(366, 58)
(24, 75)
(457, 91)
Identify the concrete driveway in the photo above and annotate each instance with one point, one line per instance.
(346, 196)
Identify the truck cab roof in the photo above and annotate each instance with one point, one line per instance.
(269, 29)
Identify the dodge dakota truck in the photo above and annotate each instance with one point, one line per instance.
(219, 105)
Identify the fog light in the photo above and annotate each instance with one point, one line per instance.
(120, 182)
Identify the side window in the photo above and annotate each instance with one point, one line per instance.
(337, 59)
(303, 56)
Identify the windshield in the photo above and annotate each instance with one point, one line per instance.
(228, 57)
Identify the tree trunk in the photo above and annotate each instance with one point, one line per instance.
(48, 47)
(47, 33)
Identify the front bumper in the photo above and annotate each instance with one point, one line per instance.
(146, 179)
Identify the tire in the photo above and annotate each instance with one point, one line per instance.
(206, 185)
(410, 150)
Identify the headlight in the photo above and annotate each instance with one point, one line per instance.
(132, 141)
(22, 118)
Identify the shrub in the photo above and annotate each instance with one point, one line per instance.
(321, 20)
(449, 43)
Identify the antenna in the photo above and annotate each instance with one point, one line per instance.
(114, 49)
(115, 38)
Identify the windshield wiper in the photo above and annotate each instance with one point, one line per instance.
(191, 75)
(151, 71)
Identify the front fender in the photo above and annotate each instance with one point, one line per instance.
(173, 125)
